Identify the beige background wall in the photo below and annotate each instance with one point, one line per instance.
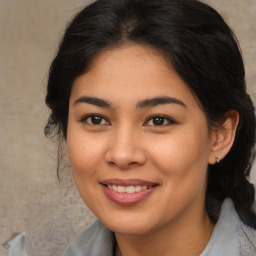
(30, 197)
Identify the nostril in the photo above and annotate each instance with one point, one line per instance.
(111, 163)
(122, 165)
(132, 163)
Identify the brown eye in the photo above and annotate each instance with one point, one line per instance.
(159, 121)
(95, 120)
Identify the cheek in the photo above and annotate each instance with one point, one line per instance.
(182, 153)
(181, 159)
(85, 151)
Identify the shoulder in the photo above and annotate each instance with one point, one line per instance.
(231, 236)
(247, 237)
(95, 240)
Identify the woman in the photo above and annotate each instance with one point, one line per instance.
(150, 98)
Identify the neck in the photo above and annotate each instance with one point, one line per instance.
(180, 238)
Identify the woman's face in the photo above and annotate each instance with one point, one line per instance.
(138, 142)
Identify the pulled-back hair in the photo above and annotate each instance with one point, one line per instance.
(204, 52)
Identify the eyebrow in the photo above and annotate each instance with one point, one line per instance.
(151, 102)
(94, 101)
(159, 101)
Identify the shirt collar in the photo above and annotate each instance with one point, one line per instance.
(225, 236)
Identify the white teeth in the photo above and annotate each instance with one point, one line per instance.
(138, 188)
(121, 189)
(128, 189)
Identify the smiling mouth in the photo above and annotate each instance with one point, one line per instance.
(127, 192)
(129, 189)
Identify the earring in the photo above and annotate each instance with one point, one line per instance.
(217, 160)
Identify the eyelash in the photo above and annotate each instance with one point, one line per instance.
(85, 119)
(151, 118)
(165, 118)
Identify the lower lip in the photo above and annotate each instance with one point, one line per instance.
(126, 198)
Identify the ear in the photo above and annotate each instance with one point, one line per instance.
(223, 136)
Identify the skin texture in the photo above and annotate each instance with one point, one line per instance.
(126, 144)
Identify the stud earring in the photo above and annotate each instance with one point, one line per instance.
(217, 160)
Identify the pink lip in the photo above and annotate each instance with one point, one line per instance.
(127, 199)
(128, 182)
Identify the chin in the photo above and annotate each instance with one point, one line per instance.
(129, 225)
(132, 230)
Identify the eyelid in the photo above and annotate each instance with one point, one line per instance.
(170, 120)
(85, 117)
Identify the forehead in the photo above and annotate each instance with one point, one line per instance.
(130, 73)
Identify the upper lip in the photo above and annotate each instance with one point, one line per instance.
(127, 182)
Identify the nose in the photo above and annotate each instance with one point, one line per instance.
(125, 150)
